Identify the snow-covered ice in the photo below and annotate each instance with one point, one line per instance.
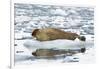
(32, 45)
(72, 19)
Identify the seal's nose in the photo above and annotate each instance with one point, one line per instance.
(34, 32)
(34, 53)
(83, 50)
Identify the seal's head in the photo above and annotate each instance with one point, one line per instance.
(34, 53)
(82, 38)
(34, 32)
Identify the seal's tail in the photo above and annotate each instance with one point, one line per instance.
(82, 38)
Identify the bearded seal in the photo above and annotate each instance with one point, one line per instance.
(52, 52)
(48, 34)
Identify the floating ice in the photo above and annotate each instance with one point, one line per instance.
(32, 45)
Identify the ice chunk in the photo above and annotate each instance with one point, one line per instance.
(56, 44)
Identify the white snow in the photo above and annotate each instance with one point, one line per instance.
(22, 18)
(58, 11)
(56, 44)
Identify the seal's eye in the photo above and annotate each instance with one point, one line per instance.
(34, 32)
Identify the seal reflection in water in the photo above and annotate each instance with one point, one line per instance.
(53, 34)
(52, 53)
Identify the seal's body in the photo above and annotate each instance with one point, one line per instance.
(52, 53)
(49, 52)
(53, 34)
